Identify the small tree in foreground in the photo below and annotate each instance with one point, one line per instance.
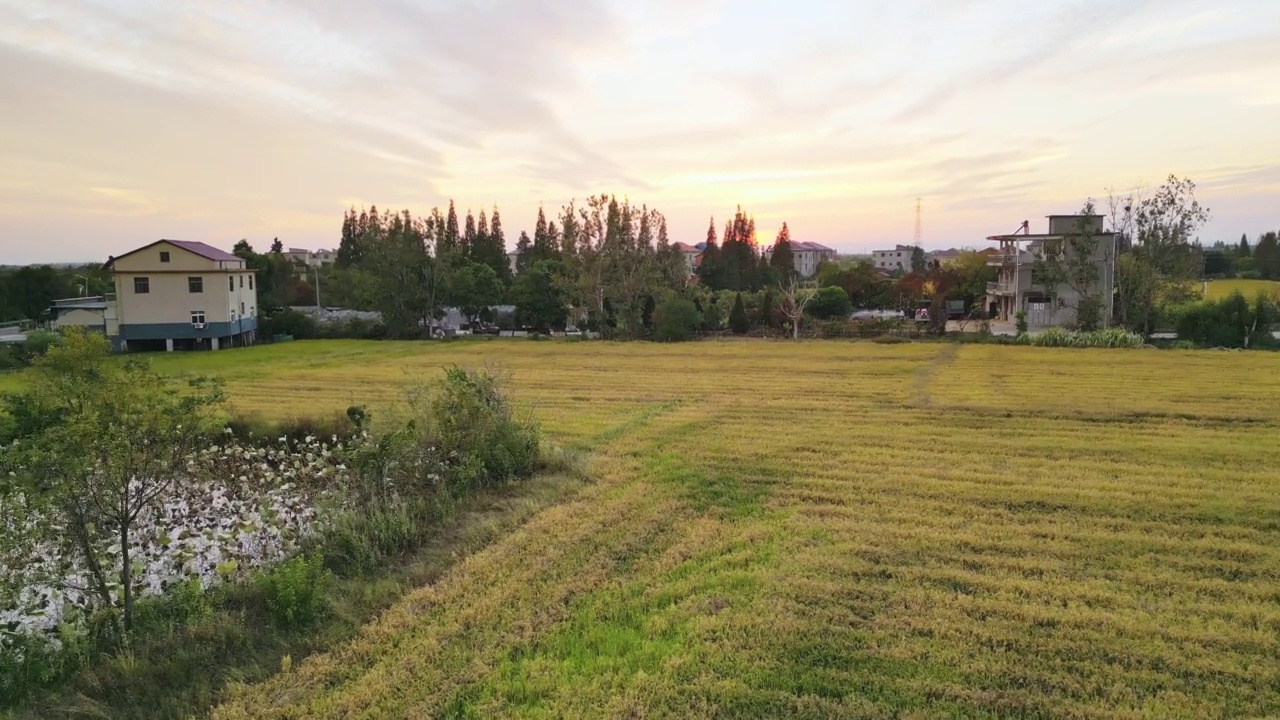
(118, 444)
(676, 319)
(794, 300)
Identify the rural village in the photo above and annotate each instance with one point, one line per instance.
(823, 360)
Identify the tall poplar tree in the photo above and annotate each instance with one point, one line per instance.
(783, 258)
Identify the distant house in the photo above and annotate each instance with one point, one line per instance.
(806, 256)
(317, 258)
(899, 258)
(513, 259)
(185, 295)
(943, 257)
(1017, 289)
(692, 256)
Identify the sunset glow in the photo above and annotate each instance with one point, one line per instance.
(131, 120)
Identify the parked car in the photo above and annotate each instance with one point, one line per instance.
(485, 328)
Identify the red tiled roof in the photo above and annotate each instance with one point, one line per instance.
(687, 248)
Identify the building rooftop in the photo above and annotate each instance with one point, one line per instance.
(203, 250)
(686, 248)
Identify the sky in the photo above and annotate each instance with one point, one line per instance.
(124, 121)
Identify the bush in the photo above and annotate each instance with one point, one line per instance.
(473, 425)
(293, 323)
(676, 320)
(829, 302)
(1109, 338)
(296, 591)
(1230, 322)
(1021, 323)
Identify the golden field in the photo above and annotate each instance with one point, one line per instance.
(1219, 289)
(832, 530)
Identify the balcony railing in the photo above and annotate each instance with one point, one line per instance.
(1000, 288)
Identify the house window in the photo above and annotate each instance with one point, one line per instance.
(231, 284)
(141, 285)
(242, 309)
(164, 256)
(195, 284)
(250, 282)
(197, 317)
(242, 281)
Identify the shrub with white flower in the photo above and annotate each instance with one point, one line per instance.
(238, 508)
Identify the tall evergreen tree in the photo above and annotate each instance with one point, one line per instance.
(1266, 257)
(1245, 251)
(349, 250)
(708, 270)
(783, 258)
(450, 239)
(524, 252)
(495, 230)
(469, 232)
(277, 247)
(738, 321)
(544, 242)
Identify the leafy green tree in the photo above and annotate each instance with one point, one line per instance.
(676, 319)
(409, 281)
(866, 288)
(783, 258)
(539, 297)
(122, 442)
(1266, 257)
(830, 302)
(277, 247)
(918, 262)
(474, 288)
(1164, 259)
(738, 321)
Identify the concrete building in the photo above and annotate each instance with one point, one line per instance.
(176, 294)
(1017, 288)
(806, 256)
(317, 258)
(897, 259)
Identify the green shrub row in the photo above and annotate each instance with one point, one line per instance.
(1059, 337)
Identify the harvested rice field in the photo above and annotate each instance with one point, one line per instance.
(826, 530)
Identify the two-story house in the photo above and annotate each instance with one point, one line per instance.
(182, 295)
(806, 256)
(896, 260)
(1018, 289)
